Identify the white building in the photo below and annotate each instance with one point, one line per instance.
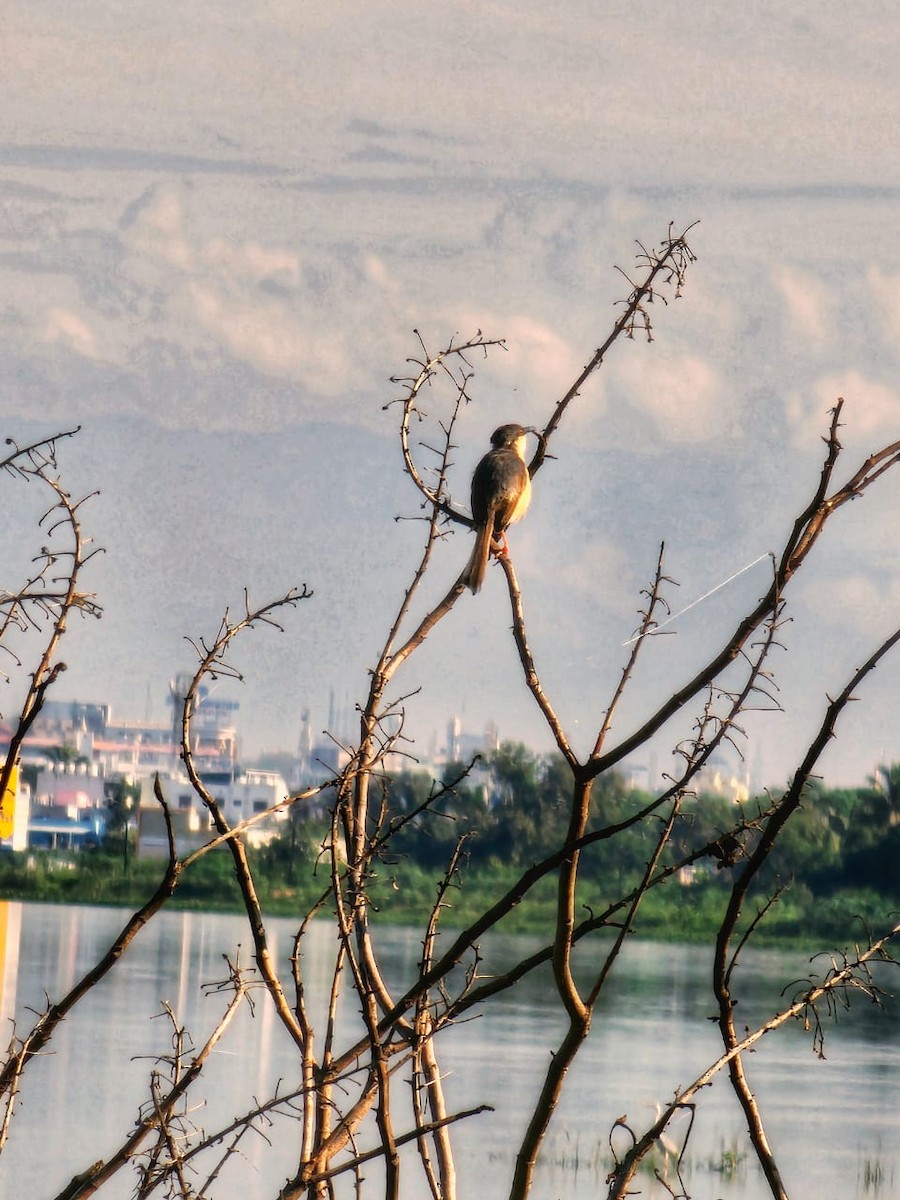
(245, 796)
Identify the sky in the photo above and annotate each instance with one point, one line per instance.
(220, 225)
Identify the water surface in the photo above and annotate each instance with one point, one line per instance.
(833, 1122)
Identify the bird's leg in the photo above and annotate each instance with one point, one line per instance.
(500, 545)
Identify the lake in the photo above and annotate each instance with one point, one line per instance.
(834, 1123)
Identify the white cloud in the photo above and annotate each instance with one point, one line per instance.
(213, 287)
(266, 335)
(161, 233)
(599, 568)
(885, 290)
(377, 272)
(67, 327)
(808, 303)
(869, 407)
(252, 261)
(681, 393)
(538, 362)
(854, 601)
(161, 230)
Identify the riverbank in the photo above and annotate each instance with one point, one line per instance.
(673, 913)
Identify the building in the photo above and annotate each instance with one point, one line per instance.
(462, 746)
(14, 814)
(240, 796)
(76, 749)
(133, 749)
(720, 776)
(81, 751)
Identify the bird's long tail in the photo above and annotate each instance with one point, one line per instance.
(481, 552)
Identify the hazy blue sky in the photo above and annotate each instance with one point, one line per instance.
(220, 223)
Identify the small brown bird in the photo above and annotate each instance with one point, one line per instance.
(501, 491)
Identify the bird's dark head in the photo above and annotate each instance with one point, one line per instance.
(508, 435)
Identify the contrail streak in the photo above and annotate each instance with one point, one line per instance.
(693, 604)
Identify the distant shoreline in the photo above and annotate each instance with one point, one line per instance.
(683, 914)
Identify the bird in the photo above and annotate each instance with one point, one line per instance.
(501, 492)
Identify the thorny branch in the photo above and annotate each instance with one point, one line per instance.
(724, 963)
(214, 663)
(665, 266)
(848, 975)
(41, 605)
(451, 364)
(163, 1104)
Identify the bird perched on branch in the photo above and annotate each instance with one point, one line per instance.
(501, 491)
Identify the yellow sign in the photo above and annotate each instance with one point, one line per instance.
(8, 806)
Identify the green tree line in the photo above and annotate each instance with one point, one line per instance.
(837, 855)
(839, 838)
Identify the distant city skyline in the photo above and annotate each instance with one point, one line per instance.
(726, 771)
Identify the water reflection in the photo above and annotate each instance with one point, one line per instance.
(833, 1122)
(10, 932)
